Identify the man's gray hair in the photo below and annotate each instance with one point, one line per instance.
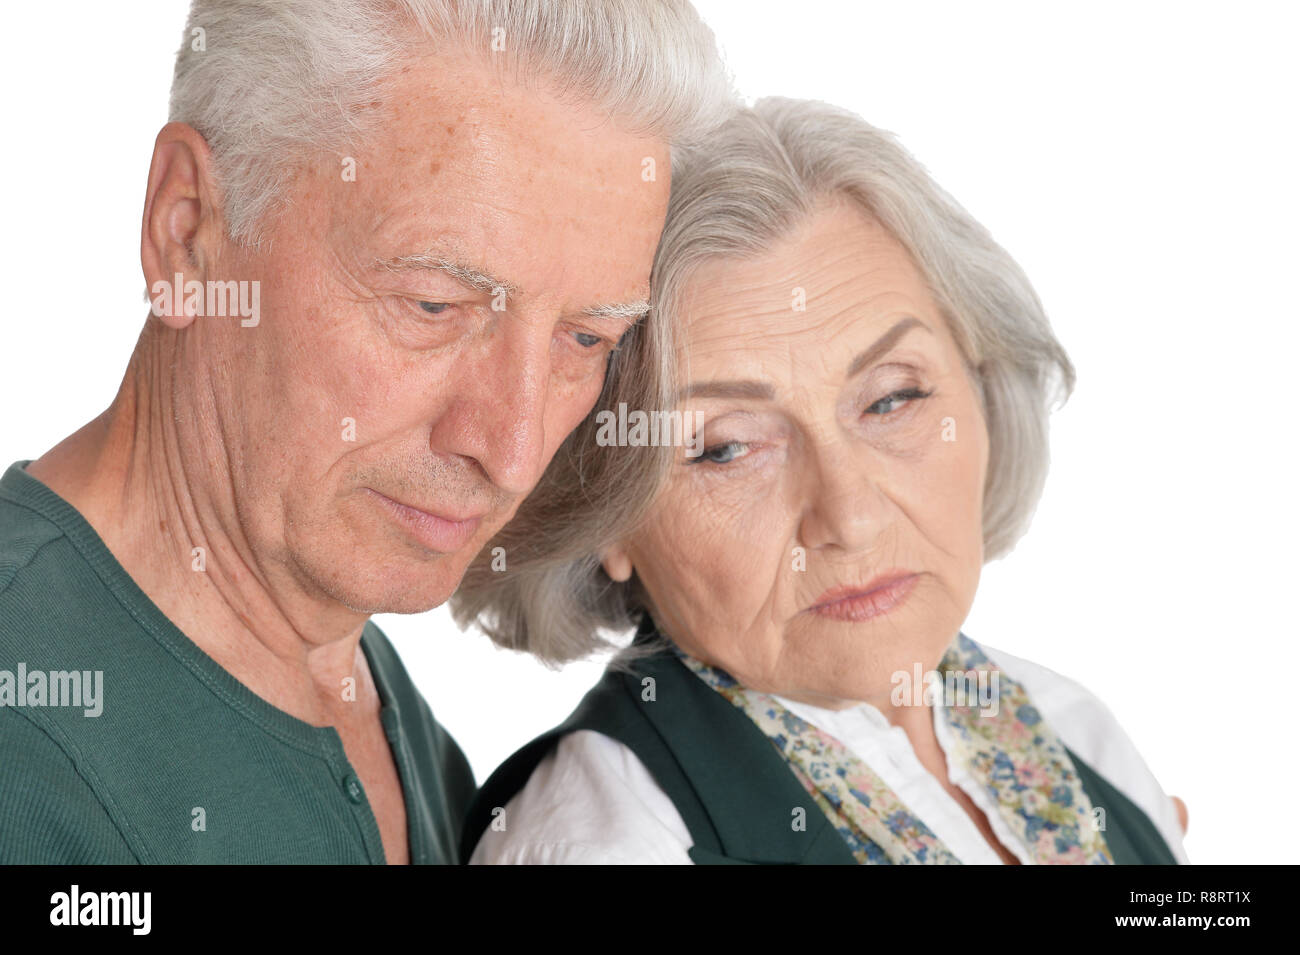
(268, 82)
(734, 197)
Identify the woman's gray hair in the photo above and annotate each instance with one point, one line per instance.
(735, 197)
(268, 83)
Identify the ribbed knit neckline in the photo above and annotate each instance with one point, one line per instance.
(21, 488)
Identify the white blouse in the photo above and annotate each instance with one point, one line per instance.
(592, 801)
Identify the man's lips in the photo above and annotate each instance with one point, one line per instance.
(864, 601)
(443, 533)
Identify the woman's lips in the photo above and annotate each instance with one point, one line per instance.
(857, 603)
(444, 535)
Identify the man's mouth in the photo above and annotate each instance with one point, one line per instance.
(443, 532)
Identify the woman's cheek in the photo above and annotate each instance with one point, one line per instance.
(960, 522)
(712, 559)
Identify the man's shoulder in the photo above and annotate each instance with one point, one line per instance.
(53, 600)
(24, 534)
(50, 811)
(41, 584)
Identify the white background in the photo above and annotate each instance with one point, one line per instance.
(1140, 161)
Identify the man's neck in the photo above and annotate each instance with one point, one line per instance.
(148, 476)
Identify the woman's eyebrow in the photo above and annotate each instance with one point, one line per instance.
(762, 391)
(884, 343)
(753, 390)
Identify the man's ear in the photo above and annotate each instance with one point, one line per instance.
(617, 562)
(178, 204)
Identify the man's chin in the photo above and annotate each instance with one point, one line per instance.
(388, 600)
(392, 605)
(392, 590)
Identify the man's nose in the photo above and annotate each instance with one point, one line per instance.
(498, 414)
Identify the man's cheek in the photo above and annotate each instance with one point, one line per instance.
(499, 520)
(574, 407)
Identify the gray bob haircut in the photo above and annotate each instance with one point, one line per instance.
(269, 83)
(759, 174)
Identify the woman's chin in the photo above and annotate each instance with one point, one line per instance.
(843, 664)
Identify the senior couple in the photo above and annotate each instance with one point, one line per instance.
(473, 226)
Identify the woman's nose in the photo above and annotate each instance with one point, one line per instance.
(843, 506)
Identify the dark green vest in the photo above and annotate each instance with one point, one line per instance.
(732, 788)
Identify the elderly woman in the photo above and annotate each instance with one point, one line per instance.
(864, 378)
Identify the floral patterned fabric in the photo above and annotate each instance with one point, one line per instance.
(1012, 752)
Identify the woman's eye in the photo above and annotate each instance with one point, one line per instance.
(721, 453)
(894, 401)
(433, 308)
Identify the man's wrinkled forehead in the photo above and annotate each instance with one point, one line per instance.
(501, 186)
(432, 111)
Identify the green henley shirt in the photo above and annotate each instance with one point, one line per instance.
(122, 742)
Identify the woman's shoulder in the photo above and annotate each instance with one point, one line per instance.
(1079, 717)
(1088, 727)
(589, 801)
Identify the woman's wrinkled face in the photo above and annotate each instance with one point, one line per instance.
(844, 449)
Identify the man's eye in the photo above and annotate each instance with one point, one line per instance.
(892, 402)
(433, 308)
(587, 340)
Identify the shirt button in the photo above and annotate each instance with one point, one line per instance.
(352, 786)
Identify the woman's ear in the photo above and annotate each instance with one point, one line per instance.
(617, 562)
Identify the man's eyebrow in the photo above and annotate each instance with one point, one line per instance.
(762, 391)
(478, 279)
(632, 311)
(465, 274)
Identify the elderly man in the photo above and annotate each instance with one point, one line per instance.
(390, 249)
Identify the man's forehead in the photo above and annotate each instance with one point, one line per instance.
(535, 201)
(472, 105)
